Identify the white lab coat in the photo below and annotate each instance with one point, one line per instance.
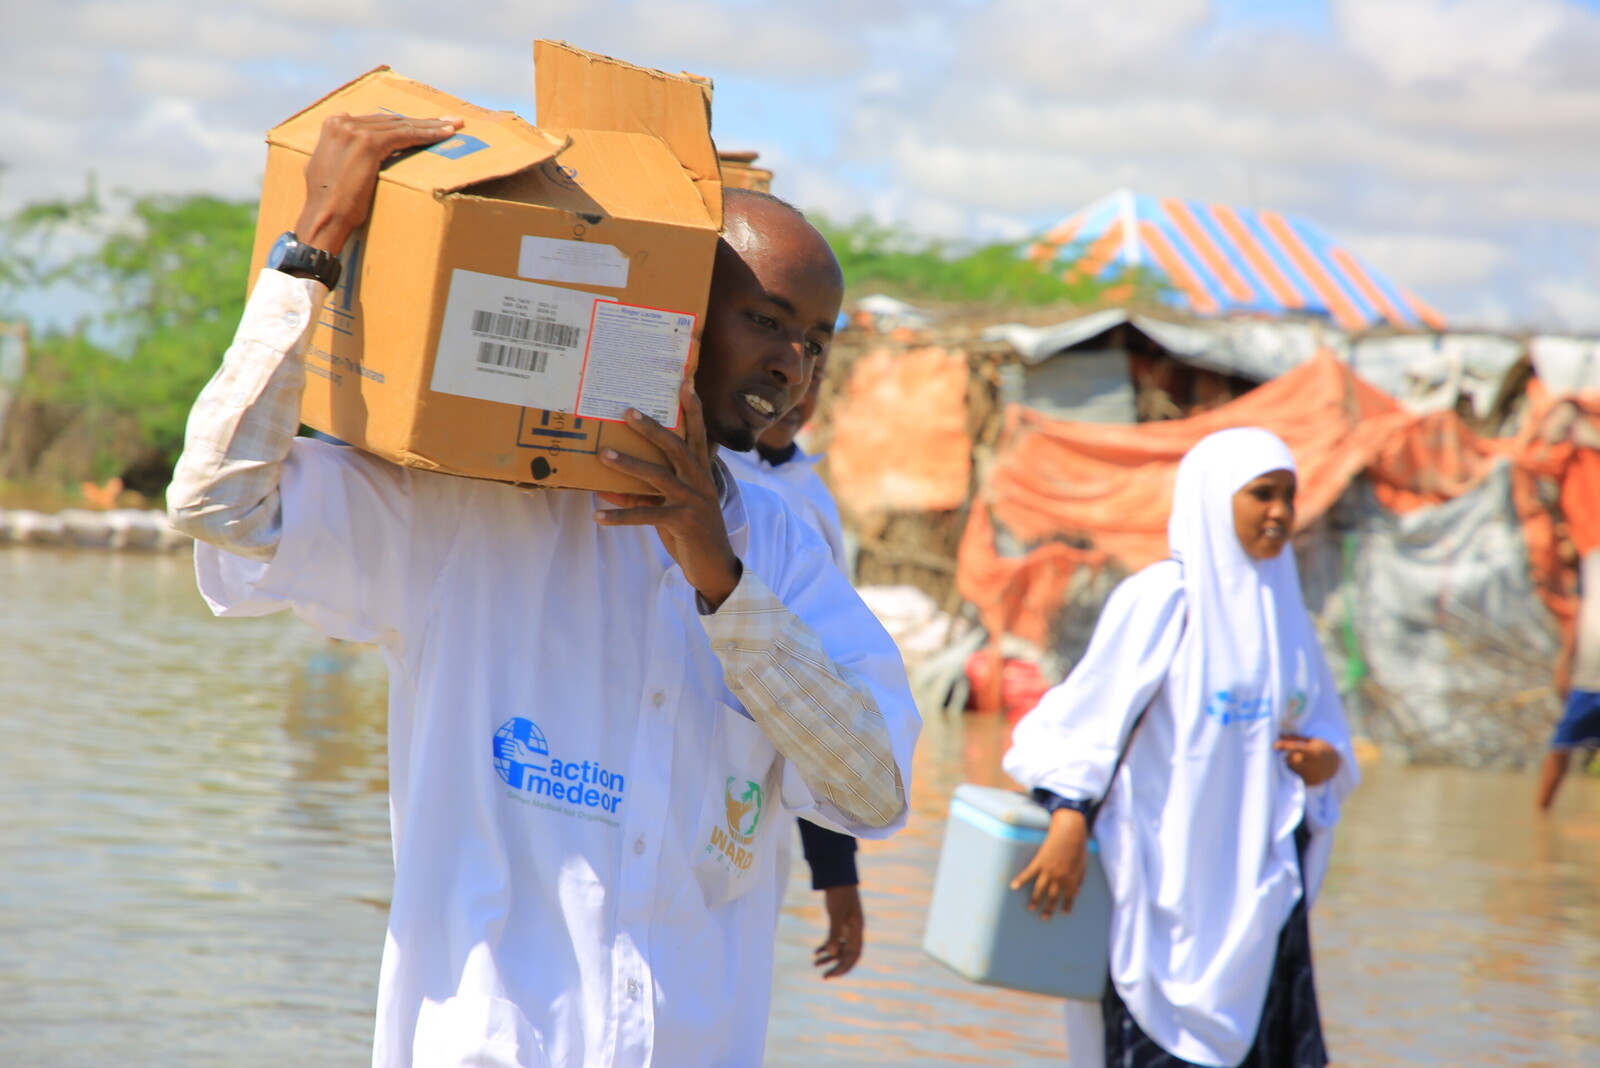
(561, 745)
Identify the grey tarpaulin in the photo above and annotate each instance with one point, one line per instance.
(1459, 647)
(1425, 372)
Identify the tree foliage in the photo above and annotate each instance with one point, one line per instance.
(167, 275)
(177, 281)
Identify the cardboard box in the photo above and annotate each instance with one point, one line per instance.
(515, 288)
(739, 171)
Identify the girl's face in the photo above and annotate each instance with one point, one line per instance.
(1263, 514)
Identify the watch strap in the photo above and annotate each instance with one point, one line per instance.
(294, 257)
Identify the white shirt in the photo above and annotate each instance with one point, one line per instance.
(801, 488)
(584, 857)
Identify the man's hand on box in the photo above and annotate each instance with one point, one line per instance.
(685, 509)
(343, 171)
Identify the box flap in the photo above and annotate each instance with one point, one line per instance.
(627, 176)
(582, 90)
(492, 144)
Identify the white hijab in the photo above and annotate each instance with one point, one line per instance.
(1245, 617)
(1198, 833)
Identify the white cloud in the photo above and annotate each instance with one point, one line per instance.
(1070, 44)
(1450, 141)
(186, 77)
(1415, 41)
(1568, 304)
(1436, 140)
(1427, 261)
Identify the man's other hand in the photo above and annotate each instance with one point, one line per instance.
(342, 173)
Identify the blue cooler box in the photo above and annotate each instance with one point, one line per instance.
(982, 929)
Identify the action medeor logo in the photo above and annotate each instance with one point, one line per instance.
(520, 748)
(525, 761)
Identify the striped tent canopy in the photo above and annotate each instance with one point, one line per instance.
(1220, 260)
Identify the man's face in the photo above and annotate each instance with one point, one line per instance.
(775, 295)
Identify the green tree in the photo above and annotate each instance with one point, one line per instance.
(31, 256)
(168, 275)
(177, 281)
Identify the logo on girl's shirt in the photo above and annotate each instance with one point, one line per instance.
(1297, 705)
(523, 761)
(1229, 708)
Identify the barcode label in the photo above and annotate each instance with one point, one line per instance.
(511, 356)
(512, 341)
(520, 328)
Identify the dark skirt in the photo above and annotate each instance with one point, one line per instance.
(1290, 1033)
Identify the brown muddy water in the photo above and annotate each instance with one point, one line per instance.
(194, 868)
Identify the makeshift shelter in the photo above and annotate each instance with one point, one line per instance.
(1220, 260)
(1431, 556)
(1093, 367)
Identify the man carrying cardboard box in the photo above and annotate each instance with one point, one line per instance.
(591, 720)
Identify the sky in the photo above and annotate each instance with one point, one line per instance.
(1454, 144)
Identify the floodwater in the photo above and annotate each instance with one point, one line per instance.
(194, 868)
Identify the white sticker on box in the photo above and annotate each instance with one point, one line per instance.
(512, 341)
(579, 262)
(636, 359)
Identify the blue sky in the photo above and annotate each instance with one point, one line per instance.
(1453, 143)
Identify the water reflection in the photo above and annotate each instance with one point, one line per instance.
(194, 868)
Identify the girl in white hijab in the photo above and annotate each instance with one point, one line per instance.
(1215, 835)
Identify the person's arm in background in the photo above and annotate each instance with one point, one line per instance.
(830, 855)
(224, 490)
(832, 859)
(1563, 672)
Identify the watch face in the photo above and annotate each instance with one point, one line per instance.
(280, 250)
(292, 257)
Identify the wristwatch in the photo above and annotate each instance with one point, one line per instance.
(1053, 801)
(292, 257)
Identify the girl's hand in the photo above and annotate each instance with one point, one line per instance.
(1313, 759)
(1057, 868)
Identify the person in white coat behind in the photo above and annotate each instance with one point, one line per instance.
(1216, 833)
(781, 465)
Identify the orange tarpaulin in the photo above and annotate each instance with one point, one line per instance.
(1580, 499)
(900, 441)
(1084, 495)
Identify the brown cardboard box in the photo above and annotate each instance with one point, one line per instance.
(739, 171)
(516, 288)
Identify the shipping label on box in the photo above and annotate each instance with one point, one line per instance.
(538, 346)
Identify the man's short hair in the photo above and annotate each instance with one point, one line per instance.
(738, 191)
